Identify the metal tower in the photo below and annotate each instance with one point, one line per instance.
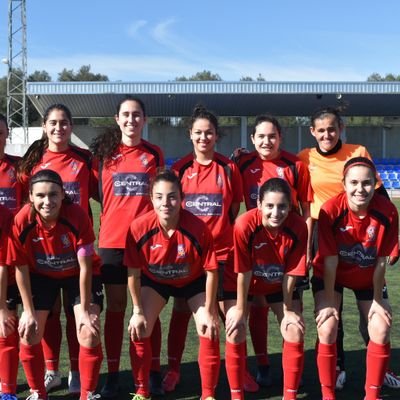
(17, 106)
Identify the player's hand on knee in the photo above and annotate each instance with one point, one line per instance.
(137, 327)
(28, 326)
(382, 309)
(324, 314)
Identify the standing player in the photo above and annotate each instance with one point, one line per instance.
(269, 161)
(10, 187)
(213, 191)
(126, 165)
(169, 252)
(358, 230)
(270, 254)
(52, 247)
(74, 165)
(325, 163)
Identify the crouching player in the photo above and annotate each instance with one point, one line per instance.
(270, 244)
(174, 250)
(52, 248)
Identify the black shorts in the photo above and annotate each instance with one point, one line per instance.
(361, 294)
(45, 291)
(166, 291)
(227, 295)
(220, 291)
(278, 297)
(13, 297)
(113, 271)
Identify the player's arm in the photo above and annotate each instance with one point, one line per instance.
(137, 323)
(290, 316)
(306, 213)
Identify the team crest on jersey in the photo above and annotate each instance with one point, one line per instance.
(219, 181)
(11, 175)
(74, 166)
(371, 232)
(181, 251)
(280, 173)
(144, 160)
(65, 240)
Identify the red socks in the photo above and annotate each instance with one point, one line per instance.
(90, 359)
(9, 363)
(326, 361)
(73, 344)
(377, 363)
(140, 352)
(156, 346)
(292, 364)
(51, 341)
(209, 362)
(258, 327)
(33, 362)
(235, 365)
(113, 337)
(178, 328)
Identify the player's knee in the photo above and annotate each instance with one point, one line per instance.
(327, 332)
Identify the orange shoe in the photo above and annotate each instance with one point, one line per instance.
(171, 379)
(250, 385)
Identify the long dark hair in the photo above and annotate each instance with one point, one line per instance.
(105, 145)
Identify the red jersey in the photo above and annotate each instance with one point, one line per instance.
(210, 190)
(6, 218)
(176, 260)
(74, 166)
(124, 190)
(256, 171)
(268, 257)
(51, 251)
(357, 241)
(10, 188)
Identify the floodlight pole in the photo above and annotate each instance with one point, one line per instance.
(17, 106)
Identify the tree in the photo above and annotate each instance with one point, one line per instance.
(39, 76)
(201, 76)
(259, 78)
(82, 75)
(375, 77)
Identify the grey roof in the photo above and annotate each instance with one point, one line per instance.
(99, 99)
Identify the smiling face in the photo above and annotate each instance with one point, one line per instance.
(274, 207)
(203, 136)
(46, 198)
(58, 129)
(266, 140)
(166, 199)
(326, 131)
(359, 185)
(131, 120)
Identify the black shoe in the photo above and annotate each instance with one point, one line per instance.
(156, 383)
(264, 376)
(111, 387)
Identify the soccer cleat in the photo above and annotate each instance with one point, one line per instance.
(92, 396)
(52, 380)
(171, 379)
(110, 389)
(35, 396)
(8, 396)
(264, 376)
(140, 397)
(155, 383)
(74, 382)
(340, 378)
(391, 380)
(249, 383)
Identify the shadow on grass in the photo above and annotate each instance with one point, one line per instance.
(189, 388)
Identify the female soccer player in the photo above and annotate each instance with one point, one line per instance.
(325, 162)
(54, 151)
(126, 165)
(213, 191)
(357, 229)
(270, 161)
(8, 316)
(52, 247)
(270, 253)
(10, 187)
(169, 252)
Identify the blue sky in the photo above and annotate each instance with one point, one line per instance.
(149, 40)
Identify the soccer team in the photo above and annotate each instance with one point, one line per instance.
(177, 233)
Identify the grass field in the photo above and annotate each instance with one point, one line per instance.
(189, 388)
